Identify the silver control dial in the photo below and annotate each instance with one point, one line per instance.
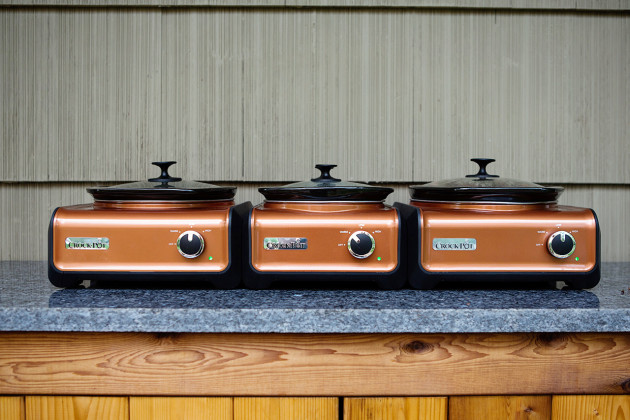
(190, 244)
(561, 244)
(361, 244)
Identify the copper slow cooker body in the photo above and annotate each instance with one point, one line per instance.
(134, 232)
(324, 230)
(526, 236)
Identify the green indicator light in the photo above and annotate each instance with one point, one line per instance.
(577, 258)
(379, 258)
(210, 258)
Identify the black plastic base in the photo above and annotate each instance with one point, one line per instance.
(229, 278)
(393, 280)
(421, 279)
(261, 281)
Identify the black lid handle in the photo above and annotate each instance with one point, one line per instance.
(164, 177)
(325, 173)
(482, 174)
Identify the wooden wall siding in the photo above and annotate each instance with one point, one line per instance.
(588, 5)
(180, 408)
(202, 111)
(536, 407)
(431, 408)
(262, 94)
(77, 408)
(286, 408)
(12, 408)
(591, 407)
(26, 211)
(81, 92)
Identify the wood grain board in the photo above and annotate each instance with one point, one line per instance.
(408, 408)
(76, 408)
(12, 408)
(180, 408)
(591, 407)
(286, 408)
(313, 364)
(536, 407)
(262, 94)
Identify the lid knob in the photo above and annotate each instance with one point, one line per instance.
(164, 177)
(325, 173)
(482, 174)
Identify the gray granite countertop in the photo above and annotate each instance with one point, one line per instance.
(28, 302)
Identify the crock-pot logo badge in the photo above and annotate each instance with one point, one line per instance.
(454, 244)
(87, 243)
(274, 244)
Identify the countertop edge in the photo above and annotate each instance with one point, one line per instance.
(313, 321)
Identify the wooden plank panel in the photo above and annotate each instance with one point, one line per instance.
(310, 98)
(524, 89)
(202, 92)
(26, 210)
(77, 408)
(394, 95)
(313, 364)
(81, 93)
(12, 408)
(286, 408)
(536, 407)
(587, 407)
(395, 408)
(180, 408)
(481, 4)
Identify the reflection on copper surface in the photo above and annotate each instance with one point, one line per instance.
(508, 237)
(327, 227)
(141, 238)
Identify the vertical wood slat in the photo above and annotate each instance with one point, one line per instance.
(591, 407)
(77, 408)
(564, 407)
(500, 408)
(12, 408)
(431, 408)
(281, 408)
(263, 94)
(180, 408)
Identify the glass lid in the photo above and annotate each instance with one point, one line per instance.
(326, 188)
(486, 188)
(163, 188)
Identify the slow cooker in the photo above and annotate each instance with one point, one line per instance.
(324, 229)
(487, 228)
(160, 229)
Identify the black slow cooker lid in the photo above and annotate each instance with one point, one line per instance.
(484, 187)
(326, 188)
(163, 188)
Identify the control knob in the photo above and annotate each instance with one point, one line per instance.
(190, 244)
(561, 244)
(361, 244)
